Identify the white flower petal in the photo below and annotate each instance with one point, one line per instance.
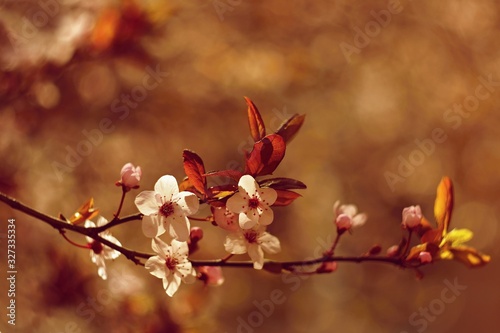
(179, 228)
(167, 186)
(238, 203)
(247, 184)
(268, 195)
(267, 216)
(146, 203)
(257, 255)
(225, 219)
(359, 220)
(188, 202)
(173, 285)
(160, 247)
(156, 266)
(247, 222)
(269, 243)
(235, 244)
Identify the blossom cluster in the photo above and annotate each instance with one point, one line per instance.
(243, 207)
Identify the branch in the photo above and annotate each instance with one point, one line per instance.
(135, 256)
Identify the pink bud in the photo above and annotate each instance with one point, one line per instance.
(327, 267)
(392, 251)
(344, 222)
(412, 216)
(130, 175)
(196, 234)
(211, 276)
(425, 257)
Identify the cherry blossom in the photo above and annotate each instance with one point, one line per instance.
(100, 253)
(347, 217)
(425, 257)
(252, 203)
(130, 176)
(254, 242)
(412, 216)
(225, 218)
(171, 264)
(170, 206)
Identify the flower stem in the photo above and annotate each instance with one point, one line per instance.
(63, 233)
(121, 204)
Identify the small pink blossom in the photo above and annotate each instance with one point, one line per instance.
(412, 216)
(347, 217)
(327, 267)
(425, 257)
(211, 276)
(252, 203)
(130, 176)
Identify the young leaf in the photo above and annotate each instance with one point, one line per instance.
(85, 212)
(444, 204)
(470, 256)
(285, 197)
(282, 184)
(290, 127)
(265, 156)
(257, 128)
(195, 170)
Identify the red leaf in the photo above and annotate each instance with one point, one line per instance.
(233, 174)
(291, 126)
(265, 156)
(257, 128)
(282, 183)
(195, 170)
(285, 197)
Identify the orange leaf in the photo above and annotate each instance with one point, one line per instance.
(444, 204)
(257, 128)
(470, 256)
(85, 212)
(285, 197)
(265, 156)
(195, 170)
(290, 127)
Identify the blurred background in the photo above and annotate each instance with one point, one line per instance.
(396, 95)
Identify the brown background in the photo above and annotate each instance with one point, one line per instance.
(363, 113)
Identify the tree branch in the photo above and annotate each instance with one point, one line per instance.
(135, 256)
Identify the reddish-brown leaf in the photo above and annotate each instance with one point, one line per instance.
(291, 126)
(195, 170)
(257, 127)
(265, 156)
(233, 174)
(282, 183)
(285, 197)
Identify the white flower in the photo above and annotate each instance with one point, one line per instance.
(252, 203)
(347, 217)
(254, 242)
(170, 206)
(171, 264)
(412, 216)
(226, 219)
(99, 252)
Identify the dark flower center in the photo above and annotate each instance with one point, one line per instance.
(171, 263)
(253, 203)
(167, 209)
(251, 236)
(96, 247)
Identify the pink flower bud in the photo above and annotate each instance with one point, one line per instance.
(392, 251)
(211, 276)
(327, 267)
(412, 216)
(196, 234)
(343, 222)
(425, 257)
(130, 175)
